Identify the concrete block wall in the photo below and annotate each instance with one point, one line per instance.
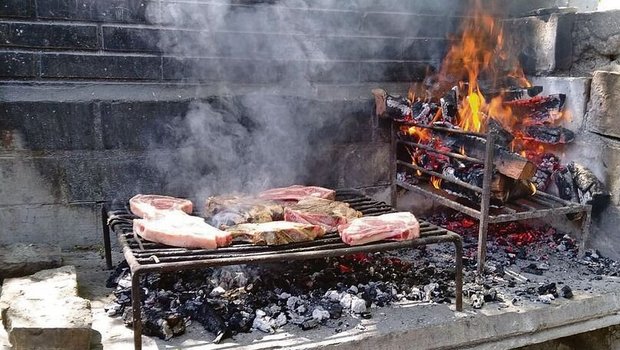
(95, 95)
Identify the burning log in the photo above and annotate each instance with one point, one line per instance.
(449, 106)
(538, 110)
(512, 94)
(548, 134)
(504, 137)
(508, 163)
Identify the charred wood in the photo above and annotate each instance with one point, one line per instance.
(393, 107)
(548, 134)
(449, 106)
(590, 190)
(513, 93)
(504, 137)
(508, 163)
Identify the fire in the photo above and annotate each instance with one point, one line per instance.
(480, 54)
(423, 136)
(436, 182)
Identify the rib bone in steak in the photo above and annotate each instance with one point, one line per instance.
(151, 205)
(178, 229)
(297, 192)
(318, 211)
(394, 226)
(275, 232)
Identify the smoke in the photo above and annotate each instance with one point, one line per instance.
(250, 141)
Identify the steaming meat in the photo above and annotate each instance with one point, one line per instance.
(275, 232)
(178, 229)
(150, 205)
(394, 226)
(323, 212)
(297, 192)
(229, 210)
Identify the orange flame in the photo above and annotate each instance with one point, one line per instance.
(480, 53)
(436, 182)
(423, 135)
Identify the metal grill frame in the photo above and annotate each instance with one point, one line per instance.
(142, 256)
(537, 206)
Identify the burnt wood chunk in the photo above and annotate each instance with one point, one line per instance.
(508, 163)
(548, 134)
(393, 107)
(589, 189)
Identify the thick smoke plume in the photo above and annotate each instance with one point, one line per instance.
(251, 141)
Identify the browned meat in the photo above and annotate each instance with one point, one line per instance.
(394, 226)
(178, 229)
(151, 205)
(275, 232)
(297, 192)
(229, 210)
(323, 212)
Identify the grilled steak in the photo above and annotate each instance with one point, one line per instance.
(323, 212)
(178, 229)
(151, 205)
(394, 226)
(297, 192)
(229, 210)
(275, 232)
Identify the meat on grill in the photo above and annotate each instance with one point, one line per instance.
(178, 229)
(323, 212)
(151, 205)
(297, 192)
(393, 226)
(228, 210)
(275, 232)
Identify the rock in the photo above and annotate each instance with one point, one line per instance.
(43, 311)
(281, 320)
(346, 300)
(21, 259)
(604, 104)
(546, 299)
(358, 305)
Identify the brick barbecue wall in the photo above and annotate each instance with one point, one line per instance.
(91, 90)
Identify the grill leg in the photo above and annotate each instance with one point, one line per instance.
(585, 231)
(458, 255)
(486, 201)
(135, 308)
(106, 237)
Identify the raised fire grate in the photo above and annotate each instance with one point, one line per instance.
(147, 257)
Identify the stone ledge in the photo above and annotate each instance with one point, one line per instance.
(43, 311)
(22, 259)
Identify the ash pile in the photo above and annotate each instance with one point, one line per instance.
(526, 264)
(315, 293)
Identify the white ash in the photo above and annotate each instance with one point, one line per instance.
(546, 299)
(217, 291)
(320, 314)
(358, 305)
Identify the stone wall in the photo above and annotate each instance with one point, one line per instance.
(96, 95)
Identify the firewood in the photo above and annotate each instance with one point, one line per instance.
(548, 134)
(589, 189)
(508, 163)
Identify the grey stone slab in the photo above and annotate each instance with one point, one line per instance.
(49, 36)
(596, 41)
(47, 126)
(58, 224)
(544, 44)
(71, 66)
(21, 259)
(43, 311)
(18, 65)
(603, 117)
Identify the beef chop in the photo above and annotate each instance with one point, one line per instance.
(275, 232)
(323, 212)
(393, 226)
(152, 205)
(297, 192)
(178, 229)
(229, 210)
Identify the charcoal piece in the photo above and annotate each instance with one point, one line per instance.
(120, 271)
(513, 93)
(566, 186)
(567, 292)
(533, 269)
(366, 315)
(548, 134)
(334, 309)
(590, 190)
(449, 106)
(550, 288)
(212, 322)
(309, 324)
